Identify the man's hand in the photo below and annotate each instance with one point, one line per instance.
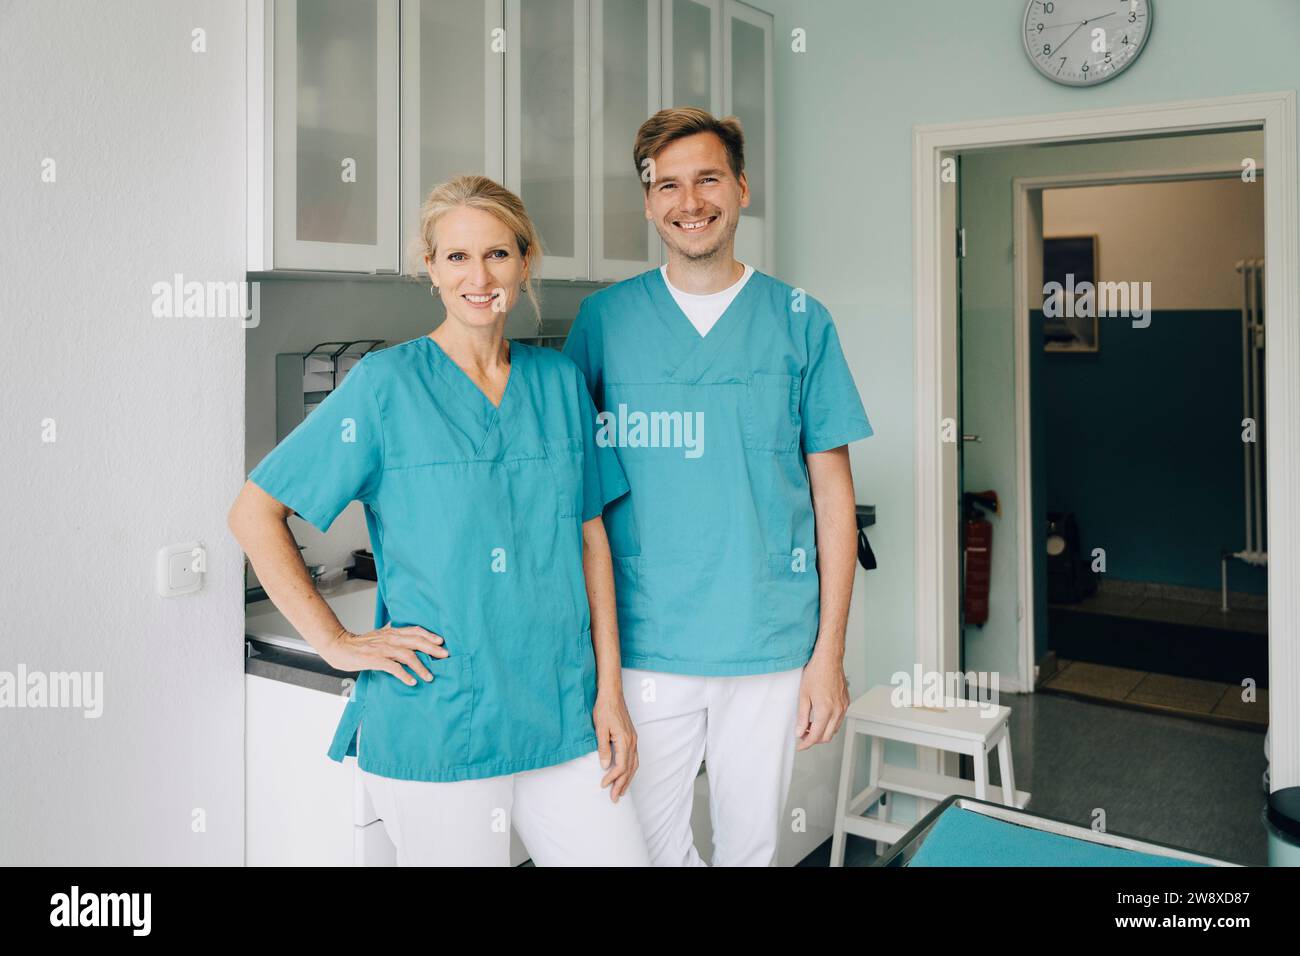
(824, 691)
(823, 701)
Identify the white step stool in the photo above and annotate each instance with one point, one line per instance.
(960, 729)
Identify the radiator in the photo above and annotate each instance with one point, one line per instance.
(1252, 406)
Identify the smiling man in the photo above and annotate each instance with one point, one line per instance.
(734, 568)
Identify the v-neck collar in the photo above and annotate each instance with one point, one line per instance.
(696, 350)
(468, 392)
(461, 380)
(686, 324)
(488, 415)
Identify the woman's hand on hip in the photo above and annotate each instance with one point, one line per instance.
(385, 649)
(614, 731)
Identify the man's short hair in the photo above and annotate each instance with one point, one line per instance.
(674, 124)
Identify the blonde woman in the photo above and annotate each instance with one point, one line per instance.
(489, 692)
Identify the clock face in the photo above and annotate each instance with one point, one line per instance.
(1085, 42)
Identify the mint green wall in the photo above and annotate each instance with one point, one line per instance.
(845, 111)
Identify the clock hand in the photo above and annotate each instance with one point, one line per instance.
(1067, 23)
(1081, 23)
(1072, 33)
(1071, 22)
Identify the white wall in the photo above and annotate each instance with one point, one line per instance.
(148, 138)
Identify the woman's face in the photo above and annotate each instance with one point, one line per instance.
(476, 266)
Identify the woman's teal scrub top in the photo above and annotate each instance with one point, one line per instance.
(475, 517)
(715, 550)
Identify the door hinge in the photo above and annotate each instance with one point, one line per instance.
(961, 242)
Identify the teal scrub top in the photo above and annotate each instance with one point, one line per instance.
(715, 551)
(475, 518)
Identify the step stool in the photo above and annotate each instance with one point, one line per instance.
(958, 727)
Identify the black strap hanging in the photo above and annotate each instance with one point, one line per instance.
(866, 518)
(866, 557)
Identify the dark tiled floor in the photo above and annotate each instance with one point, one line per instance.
(1183, 782)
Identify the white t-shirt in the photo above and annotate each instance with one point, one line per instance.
(705, 310)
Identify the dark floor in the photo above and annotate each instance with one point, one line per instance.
(1173, 780)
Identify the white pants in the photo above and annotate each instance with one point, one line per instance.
(743, 728)
(561, 812)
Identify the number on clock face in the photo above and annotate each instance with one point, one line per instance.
(1082, 42)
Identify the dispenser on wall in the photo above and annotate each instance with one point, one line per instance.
(303, 379)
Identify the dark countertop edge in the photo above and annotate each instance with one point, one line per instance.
(296, 667)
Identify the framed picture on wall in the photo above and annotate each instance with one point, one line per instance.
(1069, 261)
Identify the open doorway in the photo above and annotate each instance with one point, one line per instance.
(1007, 168)
(1147, 443)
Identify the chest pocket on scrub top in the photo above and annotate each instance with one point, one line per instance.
(564, 458)
(771, 412)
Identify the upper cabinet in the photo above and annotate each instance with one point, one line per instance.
(548, 122)
(747, 94)
(453, 76)
(692, 54)
(324, 85)
(543, 95)
(625, 91)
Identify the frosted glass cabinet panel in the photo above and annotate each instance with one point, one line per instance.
(452, 100)
(548, 127)
(357, 108)
(625, 92)
(692, 54)
(335, 135)
(747, 94)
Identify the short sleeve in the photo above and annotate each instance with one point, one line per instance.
(584, 346)
(603, 479)
(829, 404)
(334, 455)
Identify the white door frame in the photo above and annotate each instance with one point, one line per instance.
(1025, 233)
(936, 593)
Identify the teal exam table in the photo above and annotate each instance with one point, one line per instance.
(962, 831)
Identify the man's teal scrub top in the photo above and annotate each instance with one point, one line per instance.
(475, 517)
(715, 551)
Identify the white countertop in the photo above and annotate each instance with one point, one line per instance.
(353, 602)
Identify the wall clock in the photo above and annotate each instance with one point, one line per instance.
(1085, 42)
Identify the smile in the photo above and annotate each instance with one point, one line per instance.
(482, 299)
(695, 225)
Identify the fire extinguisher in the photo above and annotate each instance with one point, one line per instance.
(978, 548)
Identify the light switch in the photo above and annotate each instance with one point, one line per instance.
(180, 568)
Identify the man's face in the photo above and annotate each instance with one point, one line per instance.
(694, 200)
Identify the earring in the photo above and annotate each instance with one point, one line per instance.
(523, 287)
(433, 290)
